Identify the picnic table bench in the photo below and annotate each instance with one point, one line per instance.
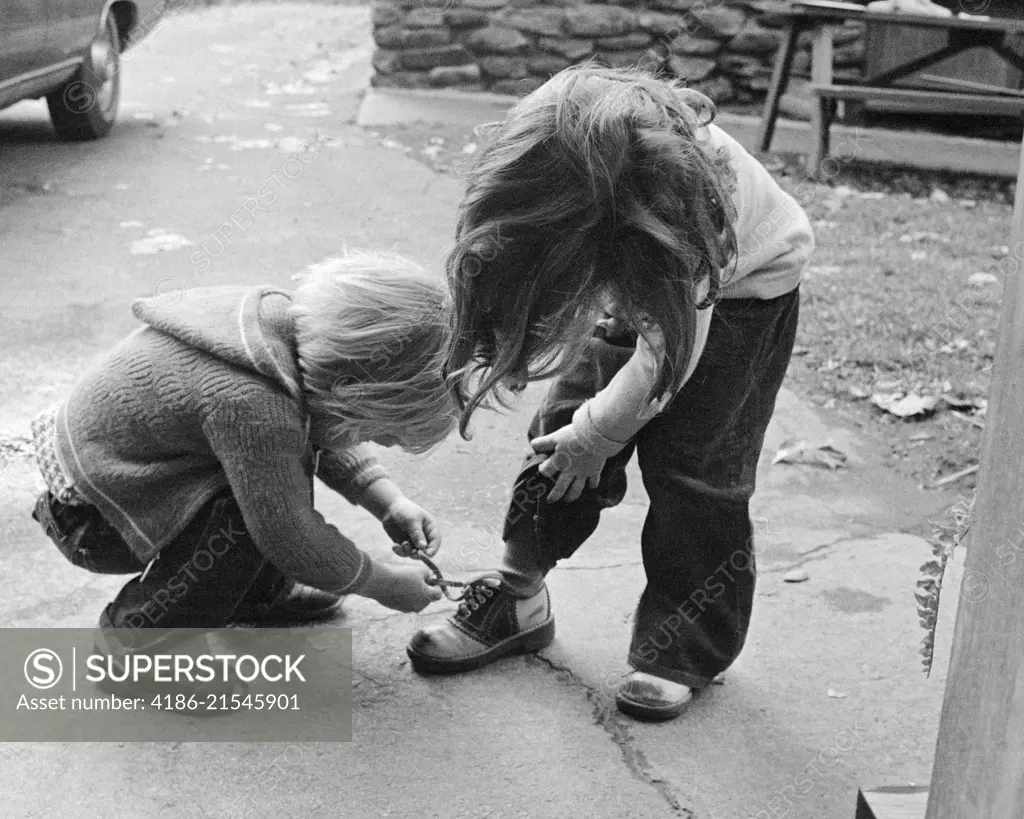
(956, 97)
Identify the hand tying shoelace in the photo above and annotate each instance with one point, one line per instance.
(445, 583)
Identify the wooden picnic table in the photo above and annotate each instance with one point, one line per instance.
(821, 19)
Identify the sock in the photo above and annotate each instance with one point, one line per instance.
(522, 581)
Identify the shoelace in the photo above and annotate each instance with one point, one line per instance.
(471, 589)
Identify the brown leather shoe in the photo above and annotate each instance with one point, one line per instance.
(298, 604)
(652, 699)
(490, 623)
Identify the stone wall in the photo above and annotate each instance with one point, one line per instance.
(724, 48)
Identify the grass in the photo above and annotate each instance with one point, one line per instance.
(886, 305)
(889, 307)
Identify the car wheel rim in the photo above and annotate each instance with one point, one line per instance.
(104, 68)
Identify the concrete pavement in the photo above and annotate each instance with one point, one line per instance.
(828, 694)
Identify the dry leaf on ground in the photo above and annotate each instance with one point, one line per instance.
(982, 279)
(923, 236)
(964, 403)
(793, 451)
(907, 406)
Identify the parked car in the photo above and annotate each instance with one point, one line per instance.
(69, 51)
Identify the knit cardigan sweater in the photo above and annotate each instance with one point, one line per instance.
(207, 396)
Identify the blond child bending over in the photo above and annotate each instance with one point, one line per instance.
(186, 455)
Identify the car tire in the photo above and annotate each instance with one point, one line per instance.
(85, 107)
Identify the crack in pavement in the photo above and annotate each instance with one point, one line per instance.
(815, 554)
(616, 727)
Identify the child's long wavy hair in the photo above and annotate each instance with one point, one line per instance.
(371, 332)
(595, 186)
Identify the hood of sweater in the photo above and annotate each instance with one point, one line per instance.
(248, 327)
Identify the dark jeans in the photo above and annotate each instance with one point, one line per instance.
(197, 580)
(699, 461)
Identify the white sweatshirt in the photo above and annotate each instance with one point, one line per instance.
(774, 245)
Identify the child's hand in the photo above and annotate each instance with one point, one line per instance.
(575, 463)
(652, 348)
(405, 521)
(402, 588)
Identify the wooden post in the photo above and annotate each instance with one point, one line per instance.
(979, 761)
(821, 74)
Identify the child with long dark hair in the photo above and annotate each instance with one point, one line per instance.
(615, 240)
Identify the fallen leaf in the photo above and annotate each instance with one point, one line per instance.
(939, 196)
(801, 350)
(982, 279)
(924, 236)
(921, 436)
(289, 89)
(246, 144)
(789, 450)
(918, 256)
(156, 241)
(857, 392)
(794, 451)
(963, 403)
(309, 109)
(795, 576)
(967, 203)
(906, 407)
(838, 695)
(432, 152)
(294, 145)
(830, 457)
(971, 419)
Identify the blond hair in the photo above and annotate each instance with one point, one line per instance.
(371, 331)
